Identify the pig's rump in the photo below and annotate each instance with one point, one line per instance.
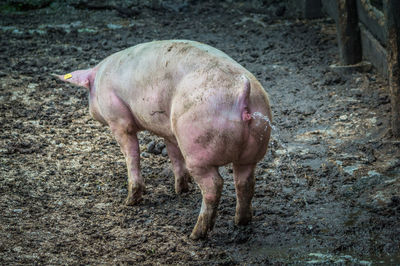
(208, 124)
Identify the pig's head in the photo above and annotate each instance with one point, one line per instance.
(85, 78)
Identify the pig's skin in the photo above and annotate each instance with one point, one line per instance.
(200, 101)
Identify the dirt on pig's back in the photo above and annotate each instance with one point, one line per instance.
(151, 78)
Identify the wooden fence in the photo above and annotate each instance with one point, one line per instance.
(366, 30)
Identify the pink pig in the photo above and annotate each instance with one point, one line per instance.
(200, 101)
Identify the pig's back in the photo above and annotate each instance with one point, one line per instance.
(170, 59)
(163, 79)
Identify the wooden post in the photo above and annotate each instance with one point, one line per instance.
(392, 16)
(348, 32)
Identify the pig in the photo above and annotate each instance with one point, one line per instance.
(200, 101)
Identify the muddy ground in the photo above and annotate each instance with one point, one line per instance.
(327, 190)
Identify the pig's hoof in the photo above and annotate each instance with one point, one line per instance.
(130, 201)
(197, 235)
(135, 194)
(243, 219)
(133, 199)
(200, 230)
(182, 189)
(182, 184)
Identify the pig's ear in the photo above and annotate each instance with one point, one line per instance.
(79, 78)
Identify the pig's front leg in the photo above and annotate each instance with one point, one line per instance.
(129, 144)
(182, 176)
(210, 183)
(244, 185)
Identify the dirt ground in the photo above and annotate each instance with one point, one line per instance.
(327, 190)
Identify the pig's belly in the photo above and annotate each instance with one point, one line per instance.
(162, 128)
(155, 120)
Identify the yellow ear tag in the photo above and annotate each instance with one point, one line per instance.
(67, 76)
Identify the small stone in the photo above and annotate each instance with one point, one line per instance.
(158, 148)
(112, 26)
(287, 191)
(164, 152)
(308, 111)
(151, 146)
(145, 155)
(350, 169)
(17, 249)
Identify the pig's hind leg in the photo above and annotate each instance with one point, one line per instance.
(210, 183)
(182, 176)
(244, 185)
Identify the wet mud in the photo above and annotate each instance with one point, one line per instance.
(327, 190)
